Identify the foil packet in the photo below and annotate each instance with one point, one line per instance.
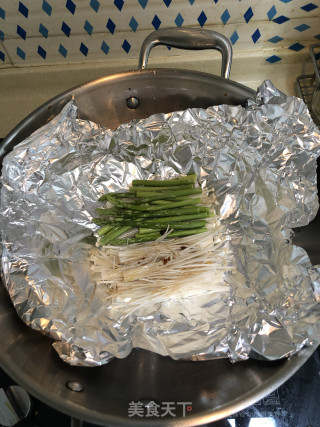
(260, 161)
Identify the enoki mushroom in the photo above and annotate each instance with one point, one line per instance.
(139, 274)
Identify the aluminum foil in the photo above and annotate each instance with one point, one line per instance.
(261, 163)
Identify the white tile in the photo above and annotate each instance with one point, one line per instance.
(289, 32)
(36, 15)
(5, 60)
(116, 52)
(144, 17)
(72, 46)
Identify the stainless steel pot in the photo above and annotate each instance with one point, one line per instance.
(102, 395)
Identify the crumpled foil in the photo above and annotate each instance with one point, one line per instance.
(261, 163)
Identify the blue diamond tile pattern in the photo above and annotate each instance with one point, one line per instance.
(256, 36)
(202, 19)
(302, 27)
(179, 20)
(21, 53)
(281, 19)
(126, 46)
(63, 51)
(43, 31)
(248, 15)
(234, 38)
(272, 13)
(105, 48)
(71, 6)
(95, 4)
(42, 52)
(111, 26)
(255, 25)
(23, 9)
(21, 32)
(155, 22)
(133, 24)
(2, 56)
(46, 7)
(83, 49)
(88, 27)
(119, 4)
(143, 3)
(309, 7)
(274, 58)
(296, 47)
(225, 17)
(65, 29)
(275, 39)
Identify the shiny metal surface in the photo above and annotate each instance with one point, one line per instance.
(188, 38)
(75, 386)
(104, 101)
(8, 416)
(215, 388)
(15, 405)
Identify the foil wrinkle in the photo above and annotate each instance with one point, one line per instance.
(260, 161)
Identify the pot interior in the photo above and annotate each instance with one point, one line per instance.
(216, 388)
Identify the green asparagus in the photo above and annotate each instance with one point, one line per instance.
(150, 209)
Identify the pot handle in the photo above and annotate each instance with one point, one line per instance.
(188, 38)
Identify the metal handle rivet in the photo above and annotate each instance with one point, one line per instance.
(132, 102)
(75, 386)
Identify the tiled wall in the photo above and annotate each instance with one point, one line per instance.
(39, 32)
